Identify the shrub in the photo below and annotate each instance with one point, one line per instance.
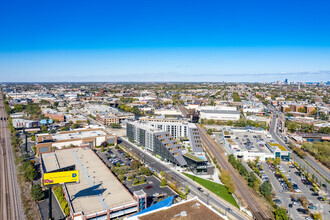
(37, 193)
(121, 177)
(135, 181)
(163, 182)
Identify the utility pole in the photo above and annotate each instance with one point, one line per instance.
(26, 143)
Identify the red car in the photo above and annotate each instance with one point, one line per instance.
(48, 181)
(148, 187)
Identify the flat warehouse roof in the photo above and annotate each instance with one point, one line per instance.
(98, 188)
(78, 134)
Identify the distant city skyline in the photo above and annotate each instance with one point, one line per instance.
(178, 41)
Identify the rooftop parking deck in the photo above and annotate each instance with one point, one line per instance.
(98, 188)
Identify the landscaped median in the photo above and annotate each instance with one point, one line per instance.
(216, 188)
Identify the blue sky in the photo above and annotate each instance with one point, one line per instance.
(165, 40)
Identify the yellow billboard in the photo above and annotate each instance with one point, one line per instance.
(61, 177)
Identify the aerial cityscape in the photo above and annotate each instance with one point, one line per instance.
(165, 110)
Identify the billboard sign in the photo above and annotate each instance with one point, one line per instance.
(32, 129)
(61, 177)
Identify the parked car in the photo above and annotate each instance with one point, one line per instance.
(200, 189)
(320, 198)
(148, 187)
(303, 211)
(315, 194)
(312, 207)
(277, 201)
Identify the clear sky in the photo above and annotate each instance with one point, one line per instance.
(165, 40)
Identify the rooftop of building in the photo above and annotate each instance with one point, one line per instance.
(189, 210)
(277, 145)
(98, 189)
(193, 157)
(220, 111)
(230, 141)
(146, 126)
(77, 134)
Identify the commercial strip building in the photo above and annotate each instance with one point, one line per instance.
(263, 149)
(23, 123)
(99, 194)
(91, 137)
(163, 145)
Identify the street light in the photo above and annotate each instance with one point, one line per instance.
(207, 198)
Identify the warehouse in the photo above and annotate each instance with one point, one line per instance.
(221, 115)
(92, 137)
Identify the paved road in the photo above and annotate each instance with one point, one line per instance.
(321, 169)
(183, 180)
(241, 187)
(10, 199)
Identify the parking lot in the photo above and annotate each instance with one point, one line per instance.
(252, 141)
(113, 156)
(152, 188)
(285, 196)
(255, 142)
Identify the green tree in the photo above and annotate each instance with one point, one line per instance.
(37, 193)
(187, 189)
(31, 173)
(266, 188)
(143, 180)
(44, 129)
(317, 216)
(280, 214)
(161, 173)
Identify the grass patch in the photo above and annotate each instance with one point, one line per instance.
(218, 189)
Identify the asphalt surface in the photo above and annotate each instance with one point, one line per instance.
(158, 166)
(10, 199)
(321, 169)
(241, 188)
(44, 209)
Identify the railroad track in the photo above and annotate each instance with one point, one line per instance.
(10, 200)
(241, 188)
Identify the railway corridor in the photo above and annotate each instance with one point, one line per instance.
(241, 188)
(10, 199)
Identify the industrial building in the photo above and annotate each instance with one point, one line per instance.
(221, 115)
(99, 194)
(91, 137)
